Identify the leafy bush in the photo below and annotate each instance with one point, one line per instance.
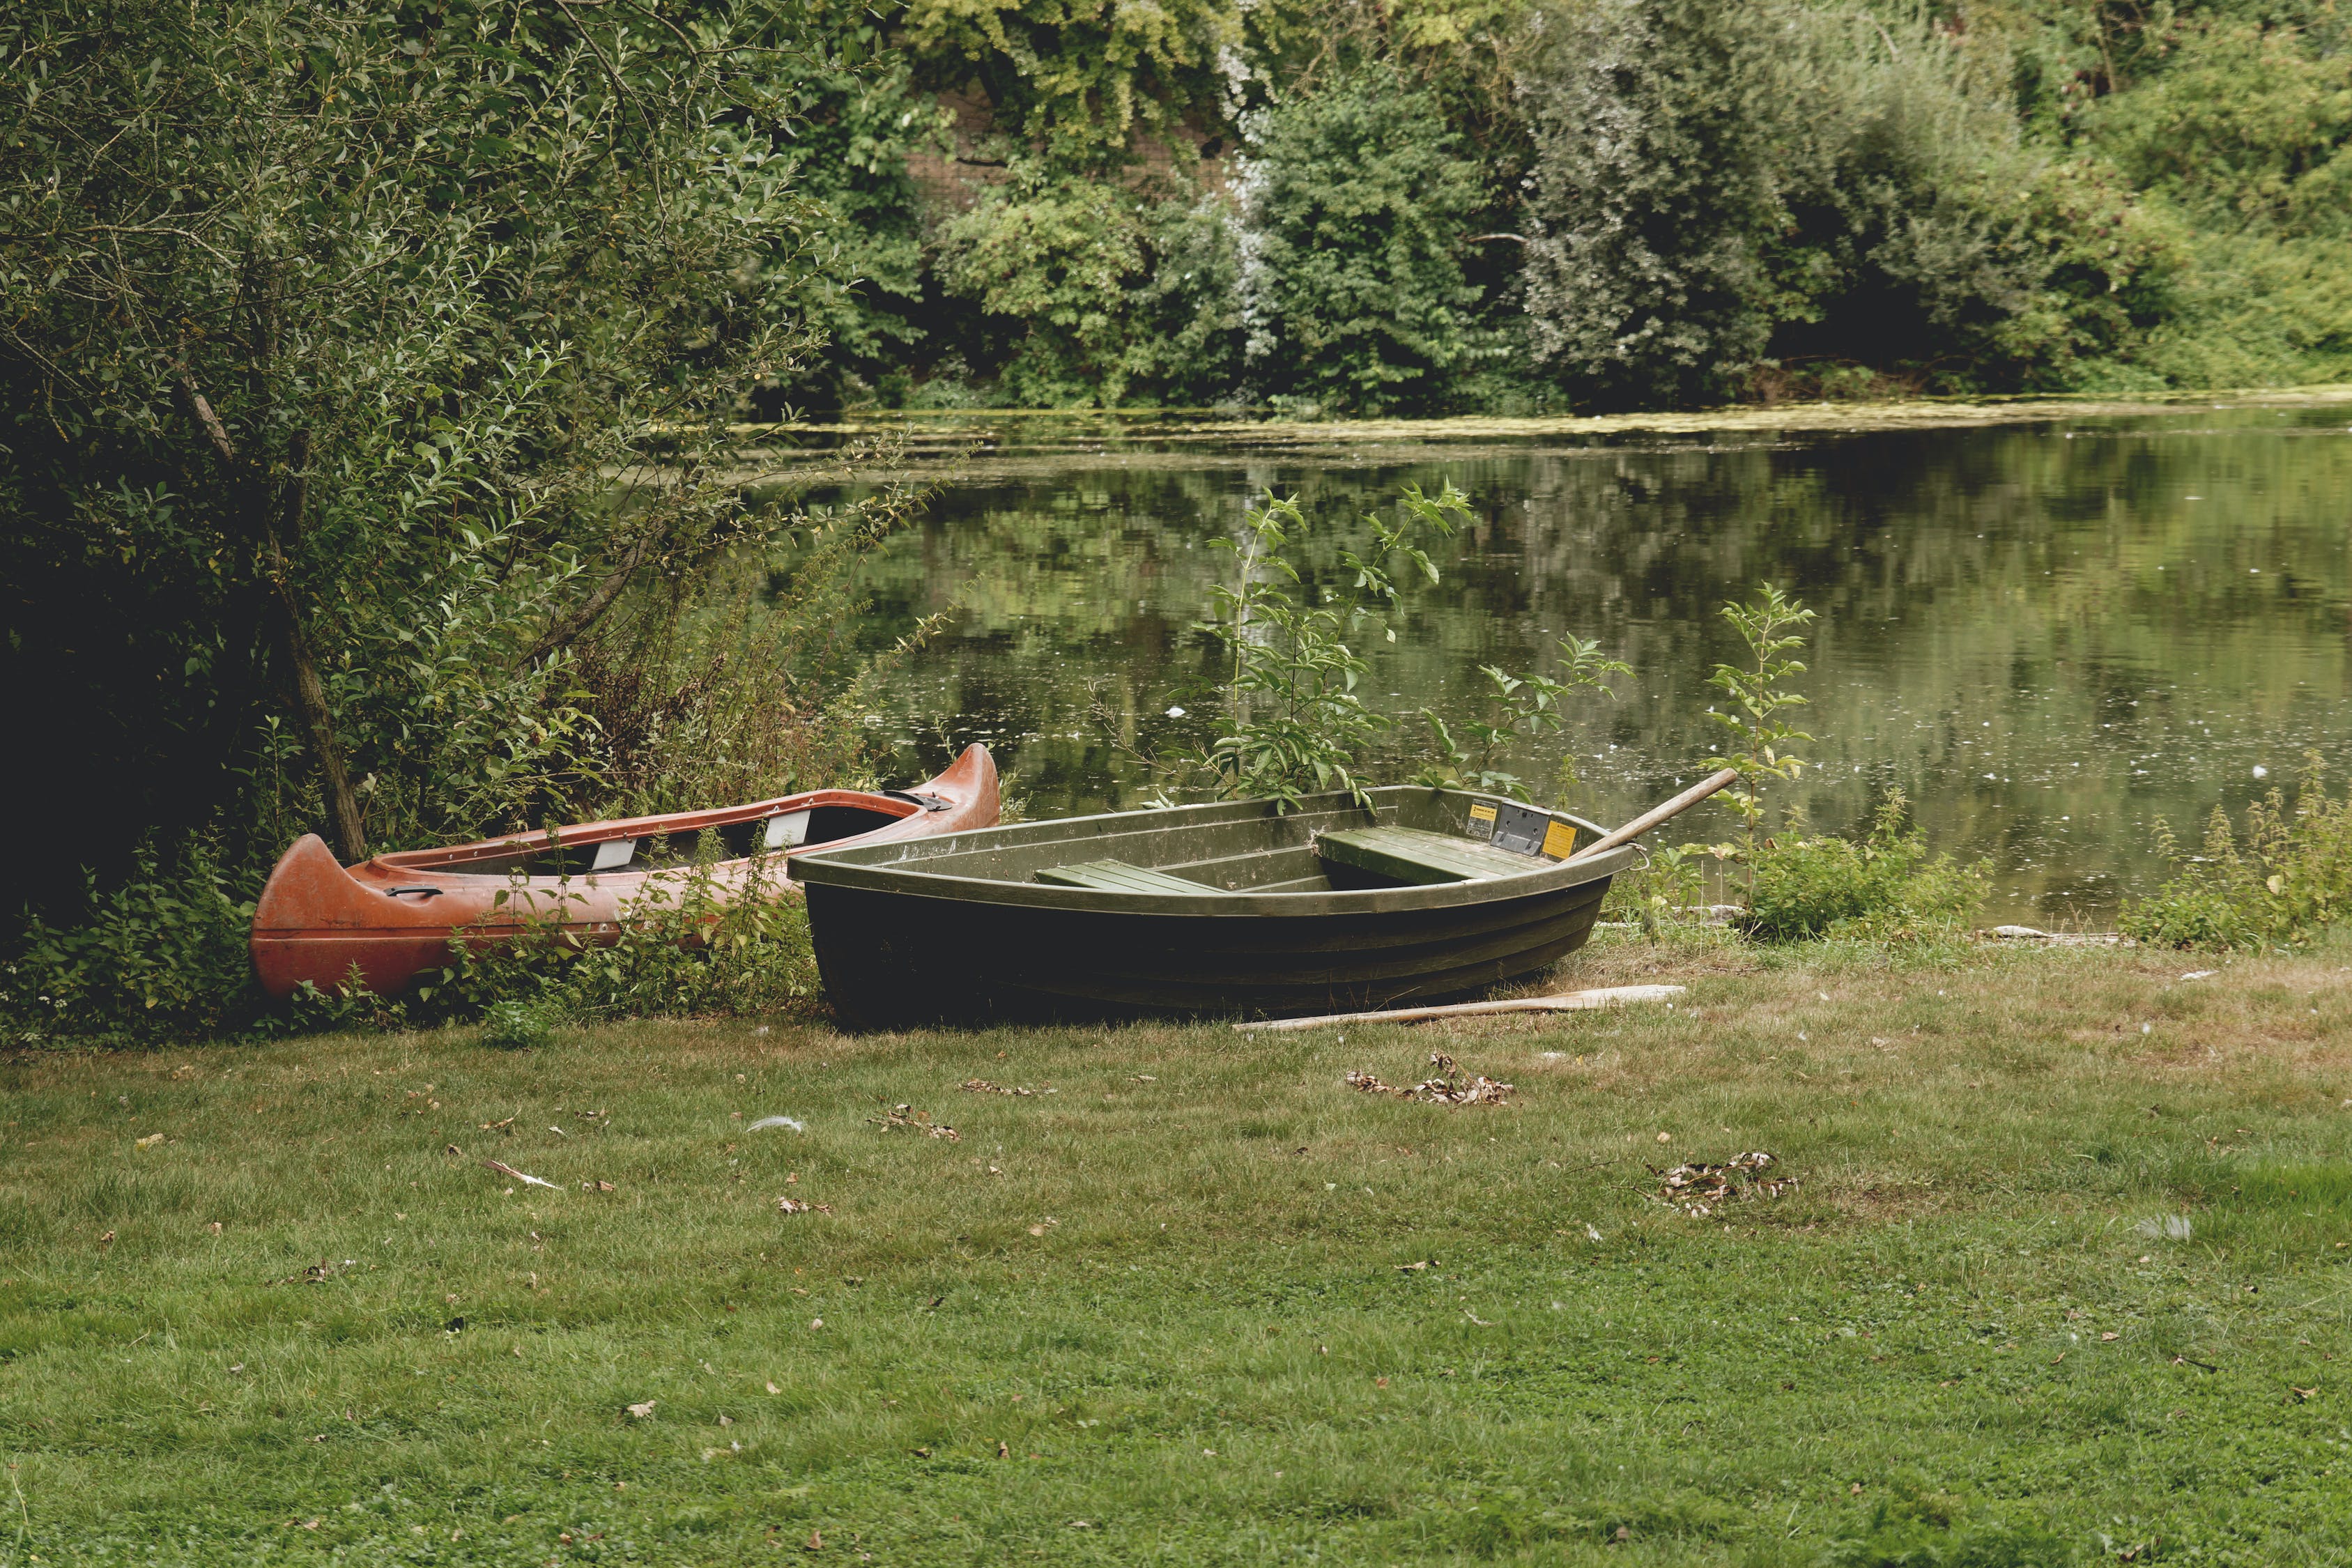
(1293, 721)
(1049, 257)
(162, 956)
(688, 947)
(2284, 882)
(1354, 197)
(1884, 886)
(1723, 191)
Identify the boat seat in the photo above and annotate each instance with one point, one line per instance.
(1411, 855)
(1119, 876)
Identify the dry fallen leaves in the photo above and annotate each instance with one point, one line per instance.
(794, 1205)
(907, 1116)
(982, 1086)
(1697, 1189)
(641, 1411)
(148, 1142)
(1446, 1088)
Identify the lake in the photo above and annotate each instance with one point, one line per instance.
(2051, 633)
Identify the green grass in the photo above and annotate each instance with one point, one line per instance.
(1173, 1289)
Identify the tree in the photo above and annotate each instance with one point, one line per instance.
(355, 363)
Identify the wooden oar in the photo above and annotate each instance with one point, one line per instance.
(1655, 815)
(1561, 1002)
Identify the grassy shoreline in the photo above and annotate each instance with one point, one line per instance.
(1174, 1293)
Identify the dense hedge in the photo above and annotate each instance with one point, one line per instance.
(1503, 205)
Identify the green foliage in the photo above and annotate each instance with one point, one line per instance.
(1293, 721)
(517, 1025)
(1758, 696)
(2283, 883)
(2246, 126)
(1354, 197)
(161, 953)
(1085, 79)
(1886, 887)
(321, 361)
(690, 945)
(1521, 710)
(1721, 193)
(1049, 257)
(861, 119)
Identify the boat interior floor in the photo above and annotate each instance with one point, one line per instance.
(1381, 856)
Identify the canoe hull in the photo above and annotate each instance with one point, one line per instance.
(1244, 918)
(393, 918)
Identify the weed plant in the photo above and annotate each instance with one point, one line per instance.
(2286, 881)
(1883, 887)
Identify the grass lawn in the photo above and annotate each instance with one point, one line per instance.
(1203, 1303)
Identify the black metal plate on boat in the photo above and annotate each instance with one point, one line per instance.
(1519, 828)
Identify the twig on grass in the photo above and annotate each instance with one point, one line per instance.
(503, 1169)
(1559, 1001)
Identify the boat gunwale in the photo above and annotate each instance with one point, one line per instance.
(897, 867)
(448, 857)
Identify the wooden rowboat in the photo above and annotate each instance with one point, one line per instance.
(1233, 908)
(393, 916)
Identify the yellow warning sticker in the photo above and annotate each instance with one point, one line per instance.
(1483, 812)
(1559, 840)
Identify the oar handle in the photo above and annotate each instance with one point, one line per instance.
(1655, 815)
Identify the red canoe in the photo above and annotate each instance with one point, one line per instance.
(394, 915)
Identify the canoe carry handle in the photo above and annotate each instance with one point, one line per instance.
(928, 802)
(428, 892)
(1657, 813)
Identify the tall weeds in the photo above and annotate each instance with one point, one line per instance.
(2283, 881)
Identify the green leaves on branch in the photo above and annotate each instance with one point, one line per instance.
(1521, 709)
(1758, 698)
(1295, 721)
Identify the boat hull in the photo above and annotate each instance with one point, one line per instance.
(957, 930)
(393, 918)
(893, 962)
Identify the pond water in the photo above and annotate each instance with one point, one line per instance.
(2049, 635)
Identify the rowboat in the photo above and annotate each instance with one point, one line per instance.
(1233, 908)
(393, 917)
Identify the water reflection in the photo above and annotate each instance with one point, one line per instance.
(2048, 635)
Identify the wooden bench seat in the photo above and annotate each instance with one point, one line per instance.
(1412, 855)
(1117, 877)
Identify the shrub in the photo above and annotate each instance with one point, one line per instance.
(162, 956)
(1884, 886)
(1355, 198)
(2288, 880)
(689, 947)
(1049, 257)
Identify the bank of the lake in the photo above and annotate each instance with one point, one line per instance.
(2067, 1257)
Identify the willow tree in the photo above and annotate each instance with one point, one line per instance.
(355, 362)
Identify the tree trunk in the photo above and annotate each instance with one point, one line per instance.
(276, 512)
(282, 522)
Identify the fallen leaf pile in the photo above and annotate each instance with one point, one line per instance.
(794, 1205)
(1447, 1088)
(982, 1086)
(1699, 1189)
(907, 1116)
